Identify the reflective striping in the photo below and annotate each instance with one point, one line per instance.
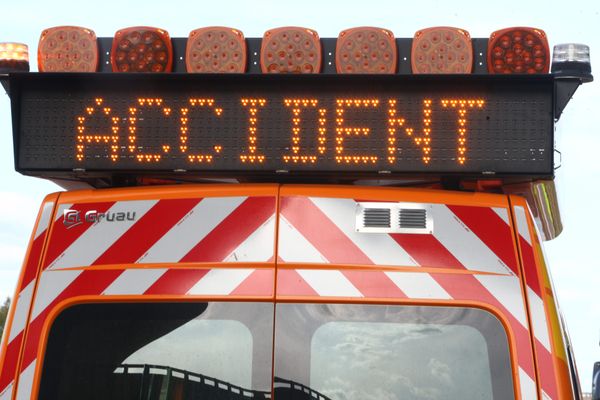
(507, 290)
(373, 283)
(52, 284)
(134, 281)
(522, 226)
(146, 231)
(220, 281)
(26, 382)
(293, 246)
(22, 311)
(6, 394)
(63, 235)
(528, 387)
(538, 316)
(44, 219)
(321, 232)
(491, 230)
(418, 285)
(379, 247)
(258, 246)
(329, 283)
(100, 236)
(60, 210)
(502, 213)
(192, 228)
(464, 244)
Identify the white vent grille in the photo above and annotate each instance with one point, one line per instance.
(377, 218)
(374, 217)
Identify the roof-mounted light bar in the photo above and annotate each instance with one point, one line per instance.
(14, 57)
(572, 60)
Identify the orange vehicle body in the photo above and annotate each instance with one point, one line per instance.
(287, 244)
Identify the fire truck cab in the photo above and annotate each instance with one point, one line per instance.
(368, 237)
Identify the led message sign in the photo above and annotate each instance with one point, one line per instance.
(244, 123)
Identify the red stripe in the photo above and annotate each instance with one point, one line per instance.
(33, 260)
(531, 275)
(9, 369)
(176, 281)
(87, 283)
(260, 283)
(427, 251)
(147, 231)
(62, 237)
(546, 367)
(374, 284)
(290, 283)
(233, 230)
(466, 287)
(321, 232)
(491, 229)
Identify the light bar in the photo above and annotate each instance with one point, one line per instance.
(68, 49)
(14, 57)
(141, 49)
(442, 50)
(518, 51)
(366, 50)
(572, 59)
(216, 49)
(290, 49)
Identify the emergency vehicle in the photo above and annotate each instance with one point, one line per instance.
(366, 227)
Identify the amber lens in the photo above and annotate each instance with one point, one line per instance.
(366, 50)
(216, 50)
(518, 51)
(290, 50)
(442, 50)
(68, 49)
(141, 49)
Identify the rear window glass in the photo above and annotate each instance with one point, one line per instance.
(160, 351)
(353, 352)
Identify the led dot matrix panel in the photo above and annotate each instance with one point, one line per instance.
(237, 124)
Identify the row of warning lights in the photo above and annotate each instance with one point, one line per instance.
(366, 50)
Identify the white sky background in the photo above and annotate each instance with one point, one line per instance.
(575, 267)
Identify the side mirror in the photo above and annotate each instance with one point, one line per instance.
(596, 382)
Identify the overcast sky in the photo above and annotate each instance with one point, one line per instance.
(574, 265)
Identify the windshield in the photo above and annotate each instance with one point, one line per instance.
(352, 352)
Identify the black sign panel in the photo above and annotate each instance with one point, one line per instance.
(233, 124)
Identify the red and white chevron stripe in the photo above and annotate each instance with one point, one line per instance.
(475, 242)
(213, 230)
(22, 302)
(470, 257)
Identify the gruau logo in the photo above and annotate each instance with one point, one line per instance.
(73, 218)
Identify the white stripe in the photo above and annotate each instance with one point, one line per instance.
(7, 392)
(538, 317)
(52, 283)
(522, 224)
(192, 228)
(329, 283)
(464, 244)
(44, 219)
(220, 281)
(378, 247)
(134, 281)
(22, 311)
(293, 247)
(418, 285)
(101, 235)
(507, 290)
(257, 247)
(61, 210)
(528, 387)
(502, 213)
(26, 382)
(545, 396)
